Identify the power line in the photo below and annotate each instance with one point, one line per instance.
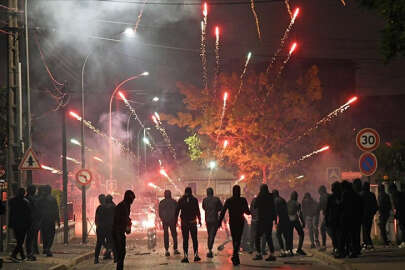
(191, 3)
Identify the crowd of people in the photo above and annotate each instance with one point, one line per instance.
(31, 212)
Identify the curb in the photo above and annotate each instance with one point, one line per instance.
(73, 262)
(331, 261)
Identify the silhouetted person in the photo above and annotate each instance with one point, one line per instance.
(384, 209)
(50, 217)
(212, 206)
(357, 187)
(310, 210)
(109, 209)
(398, 200)
(254, 227)
(190, 213)
(323, 201)
(237, 207)
(101, 231)
(296, 221)
(283, 225)
(370, 209)
(266, 215)
(32, 233)
(19, 221)
(121, 226)
(167, 213)
(332, 216)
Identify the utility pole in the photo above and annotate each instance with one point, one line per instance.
(65, 173)
(83, 159)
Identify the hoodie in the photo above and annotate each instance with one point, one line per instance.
(212, 206)
(237, 207)
(167, 209)
(190, 211)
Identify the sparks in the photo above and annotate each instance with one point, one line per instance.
(217, 58)
(293, 47)
(155, 120)
(205, 9)
(98, 159)
(226, 143)
(225, 97)
(353, 99)
(75, 115)
(74, 141)
(241, 178)
(157, 116)
(163, 172)
(244, 72)
(252, 7)
(122, 95)
(217, 33)
(297, 11)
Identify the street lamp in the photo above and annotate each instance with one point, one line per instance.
(110, 122)
(129, 32)
(155, 99)
(212, 164)
(146, 140)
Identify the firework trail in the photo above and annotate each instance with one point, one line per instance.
(163, 172)
(244, 71)
(283, 39)
(222, 114)
(252, 7)
(138, 20)
(287, 5)
(292, 49)
(295, 162)
(329, 117)
(162, 130)
(90, 126)
(217, 69)
(203, 45)
(132, 110)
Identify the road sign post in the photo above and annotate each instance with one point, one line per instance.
(29, 161)
(368, 163)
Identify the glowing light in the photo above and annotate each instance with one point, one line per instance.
(212, 164)
(122, 95)
(242, 177)
(129, 32)
(244, 72)
(225, 96)
(252, 7)
(146, 140)
(295, 162)
(74, 141)
(299, 177)
(324, 148)
(47, 168)
(353, 99)
(293, 47)
(163, 172)
(296, 12)
(72, 159)
(249, 56)
(157, 116)
(205, 9)
(226, 143)
(75, 115)
(98, 159)
(155, 99)
(217, 32)
(145, 73)
(155, 120)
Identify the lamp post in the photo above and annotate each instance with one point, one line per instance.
(110, 121)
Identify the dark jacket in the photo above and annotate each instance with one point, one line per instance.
(266, 209)
(49, 209)
(108, 217)
(254, 211)
(352, 209)
(237, 207)
(281, 210)
(167, 210)
(310, 208)
(33, 204)
(212, 206)
(190, 211)
(121, 217)
(384, 203)
(333, 211)
(369, 204)
(398, 201)
(323, 201)
(98, 220)
(20, 213)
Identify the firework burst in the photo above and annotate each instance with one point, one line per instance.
(162, 130)
(253, 8)
(217, 59)
(244, 72)
(203, 45)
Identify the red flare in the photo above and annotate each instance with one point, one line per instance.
(353, 99)
(293, 47)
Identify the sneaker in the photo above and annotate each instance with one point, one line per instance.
(176, 252)
(313, 246)
(14, 258)
(210, 255)
(271, 258)
(322, 248)
(167, 253)
(317, 243)
(402, 245)
(235, 260)
(185, 260)
(301, 252)
(290, 253)
(49, 254)
(96, 261)
(31, 258)
(197, 258)
(258, 257)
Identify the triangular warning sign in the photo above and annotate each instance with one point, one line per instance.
(29, 161)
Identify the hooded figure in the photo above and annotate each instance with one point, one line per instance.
(310, 210)
(266, 215)
(167, 213)
(121, 226)
(332, 214)
(370, 209)
(283, 225)
(212, 206)
(19, 221)
(398, 200)
(50, 216)
(109, 209)
(32, 233)
(384, 210)
(101, 231)
(190, 213)
(357, 187)
(296, 221)
(237, 207)
(323, 201)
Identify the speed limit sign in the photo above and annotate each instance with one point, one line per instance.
(367, 139)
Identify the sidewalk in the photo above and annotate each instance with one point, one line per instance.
(381, 258)
(63, 256)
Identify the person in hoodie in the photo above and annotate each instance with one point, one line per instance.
(190, 213)
(384, 210)
(167, 214)
(109, 209)
(370, 209)
(310, 210)
(20, 221)
(121, 226)
(296, 221)
(398, 201)
(254, 227)
(332, 213)
(237, 207)
(323, 201)
(212, 206)
(283, 225)
(358, 208)
(100, 227)
(266, 215)
(35, 224)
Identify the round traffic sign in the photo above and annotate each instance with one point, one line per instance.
(84, 177)
(367, 139)
(368, 163)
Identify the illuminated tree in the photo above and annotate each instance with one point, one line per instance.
(259, 123)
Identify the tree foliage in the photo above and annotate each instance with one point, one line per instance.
(391, 159)
(393, 33)
(259, 123)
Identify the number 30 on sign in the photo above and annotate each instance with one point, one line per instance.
(367, 140)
